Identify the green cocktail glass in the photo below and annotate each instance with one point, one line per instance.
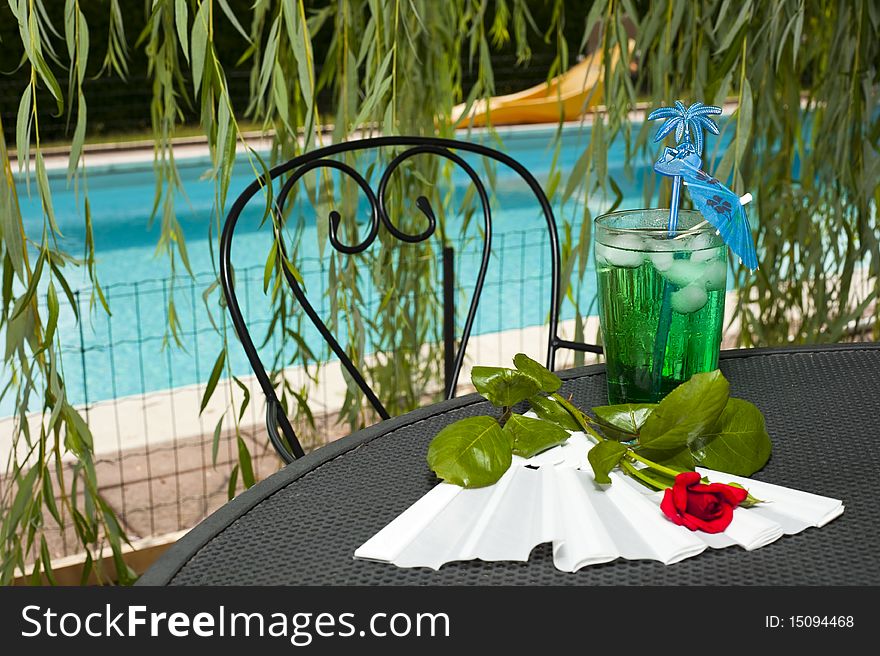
(638, 267)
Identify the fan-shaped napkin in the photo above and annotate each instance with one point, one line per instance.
(552, 497)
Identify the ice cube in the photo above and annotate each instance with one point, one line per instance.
(699, 241)
(683, 272)
(704, 255)
(715, 276)
(621, 251)
(690, 298)
(625, 242)
(662, 261)
(663, 244)
(703, 247)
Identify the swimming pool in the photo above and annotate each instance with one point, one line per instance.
(123, 354)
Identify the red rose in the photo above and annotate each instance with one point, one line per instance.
(707, 508)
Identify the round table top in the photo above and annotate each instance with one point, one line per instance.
(302, 525)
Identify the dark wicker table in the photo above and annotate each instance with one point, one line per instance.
(301, 525)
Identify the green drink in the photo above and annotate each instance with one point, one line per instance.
(636, 262)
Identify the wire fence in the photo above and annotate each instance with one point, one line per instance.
(141, 390)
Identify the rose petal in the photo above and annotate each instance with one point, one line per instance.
(679, 496)
(733, 495)
(705, 506)
(667, 505)
(688, 478)
(718, 524)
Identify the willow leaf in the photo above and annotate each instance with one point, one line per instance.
(233, 482)
(246, 399)
(224, 5)
(79, 136)
(215, 441)
(52, 321)
(23, 128)
(181, 20)
(199, 45)
(82, 46)
(246, 466)
(216, 370)
(46, 193)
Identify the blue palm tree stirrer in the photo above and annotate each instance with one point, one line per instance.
(719, 205)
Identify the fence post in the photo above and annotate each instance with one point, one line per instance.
(448, 319)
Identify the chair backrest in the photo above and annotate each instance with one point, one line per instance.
(285, 441)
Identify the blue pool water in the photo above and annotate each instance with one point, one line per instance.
(125, 354)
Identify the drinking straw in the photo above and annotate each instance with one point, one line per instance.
(665, 319)
(683, 120)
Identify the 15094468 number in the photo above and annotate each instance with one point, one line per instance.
(823, 621)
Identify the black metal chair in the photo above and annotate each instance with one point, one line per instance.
(321, 158)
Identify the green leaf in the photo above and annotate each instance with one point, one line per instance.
(111, 523)
(604, 457)
(22, 497)
(224, 5)
(212, 380)
(199, 44)
(246, 400)
(503, 387)
(292, 270)
(269, 50)
(550, 409)
(737, 444)
(472, 452)
(86, 529)
(79, 136)
(270, 267)
(47, 76)
(530, 436)
(45, 192)
(52, 321)
(686, 412)
(23, 127)
(623, 422)
(181, 16)
(47, 561)
(301, 44)
(49, 500)
(82, 46)
(124, 574)
(223, 133)
(22, 302)
(548, 381)
(215, 442)
(244, 459)
(233, 481)
(731, 31)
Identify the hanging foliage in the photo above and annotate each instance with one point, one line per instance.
(801, 76)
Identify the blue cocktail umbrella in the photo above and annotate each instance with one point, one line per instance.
(718, 204)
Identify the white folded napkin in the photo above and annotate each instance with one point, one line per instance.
(553, 497)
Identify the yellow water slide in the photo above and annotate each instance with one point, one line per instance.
(568, 95)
